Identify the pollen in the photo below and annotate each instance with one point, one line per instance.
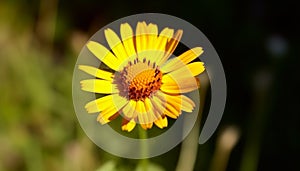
(144, 84)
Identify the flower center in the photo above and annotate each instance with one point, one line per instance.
(139, 79)
(144, 84)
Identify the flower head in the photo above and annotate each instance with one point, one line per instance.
(146, 86)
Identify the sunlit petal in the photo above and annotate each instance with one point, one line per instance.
(96, 72)
(115, 44)
(104, 55)
(99, 86)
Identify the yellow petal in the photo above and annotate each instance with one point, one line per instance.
(191, 54)
(179, 102)
(107, 113)
(96, 72)
(104, 116)
(99, 86)
(161, 122)
(115, 44)
(175, 85)
(171, 46)
(129, 109)
(143, 40)
(174, 101)
(128, 126)
(164, 107)
(183, 85)
(180, 61)
(187, 104)
(150, 110)
(181, 80)
(144, 126)
(158, 108)
(104, 55)
(141, 37)
(158, 105)
(172, 65)
(142, 116)
(172, 112)
(173, 109)
(160, 43)
(188, 100)
(127, 38)
(102, 103)
(162, 39)
(196, 68)
(149, 125)
(141, 113)
(152, 35)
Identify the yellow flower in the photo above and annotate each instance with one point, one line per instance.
(146, 86)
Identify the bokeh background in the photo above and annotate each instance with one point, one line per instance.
(257, 41)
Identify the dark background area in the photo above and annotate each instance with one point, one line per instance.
(257, 42)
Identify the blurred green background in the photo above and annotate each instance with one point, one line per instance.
(257, 42)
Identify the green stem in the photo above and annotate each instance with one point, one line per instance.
(189, 147)
(144, 148)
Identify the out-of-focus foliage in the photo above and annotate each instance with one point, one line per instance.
(38, 128)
